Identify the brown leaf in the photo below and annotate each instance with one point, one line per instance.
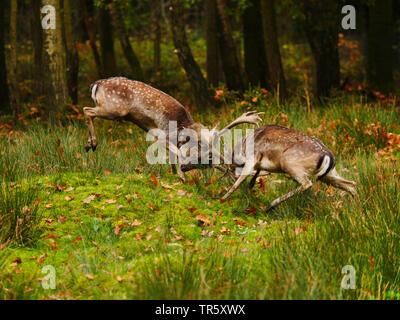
(16, 262)
(90, 199)
(225, 230)
(251, 210)
(135, 223)
(118, 228)
(203, 220)
(61, 219)
(89, 276)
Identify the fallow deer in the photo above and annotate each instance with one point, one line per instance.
(282, 150)
(119, 98)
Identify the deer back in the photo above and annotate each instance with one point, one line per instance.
(149, 108)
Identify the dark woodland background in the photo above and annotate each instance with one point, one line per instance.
(284, 46)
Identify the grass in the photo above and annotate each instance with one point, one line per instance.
(114, 227)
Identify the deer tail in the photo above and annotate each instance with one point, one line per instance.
(325, 164)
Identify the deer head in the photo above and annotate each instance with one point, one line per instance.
(199, 150)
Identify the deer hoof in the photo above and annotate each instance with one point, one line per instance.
(87, 148)
(94, 148)
(270, 208)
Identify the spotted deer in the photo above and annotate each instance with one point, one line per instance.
(282, 150)
(119, 98)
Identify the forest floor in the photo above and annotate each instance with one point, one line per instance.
(114, 227)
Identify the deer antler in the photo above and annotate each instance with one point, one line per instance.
(251, 117)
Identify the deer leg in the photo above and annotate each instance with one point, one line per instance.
(174, 149)
(247, 170)
(90, 114)
(333, 179)
(305, 184)
(254, 179)
(173, 167)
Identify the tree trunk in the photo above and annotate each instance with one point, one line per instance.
(254, 51)
(192, 69)
(211, 26)
(90, 29)
(12, 72)
(321, 27)
(37, 42)
(156, 33)
(109, 65)
(230, 61)
(380, 54)
(123, 37)
(275, 68)
(55, 82)
(72, 53)
(4, 97)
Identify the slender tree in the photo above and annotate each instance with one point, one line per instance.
(37, 43)
(55, 82)
(275, 67)
(321, 28)
(123, 37)
(155, 12)
(255, 58)
(211, 26)
(379, 47)
(108, 62)
(12, 72)
(192, 69)
(90, 29)
(72, 53)
(4, 97)
(229, 57)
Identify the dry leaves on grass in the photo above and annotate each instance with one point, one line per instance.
(89, 276)
(203, 220)
(225, 230)
(89, 199)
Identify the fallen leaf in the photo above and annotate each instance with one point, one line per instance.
(203, 220)
(48, 220)
(135, 223)
(61, 219)
(16, 262)
(90, 199)
(225, 230)
(251, 210)
(89, 276)
(111, 201)
(68, 198)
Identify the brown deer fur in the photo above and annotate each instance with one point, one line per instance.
(282, 150)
